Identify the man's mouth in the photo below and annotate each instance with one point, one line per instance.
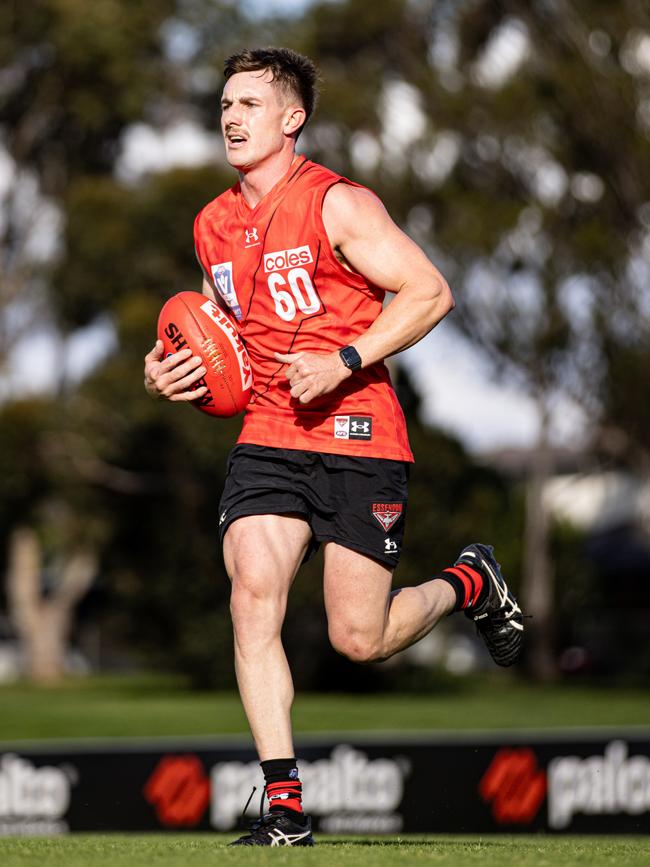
(235, 138)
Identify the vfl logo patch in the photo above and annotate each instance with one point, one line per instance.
(223, 280)
(352, 427)
(387, 513)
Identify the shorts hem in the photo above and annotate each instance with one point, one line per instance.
(261, 510)
(359, 549)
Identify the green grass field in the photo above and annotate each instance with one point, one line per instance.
(171, 850)
(148, 706)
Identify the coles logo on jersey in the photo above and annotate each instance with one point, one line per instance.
(223, 281)
(352, 427)
(283, 259)
(387, 513)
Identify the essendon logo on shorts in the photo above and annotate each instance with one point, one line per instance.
(283, 259)
(387, 513)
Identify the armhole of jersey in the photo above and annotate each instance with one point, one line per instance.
(354, 276)
(208, 279)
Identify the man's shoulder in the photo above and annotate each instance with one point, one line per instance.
(223, 202)
(324, 185)
(346, 206)
(345, 193)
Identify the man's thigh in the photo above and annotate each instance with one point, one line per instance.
(356, 590)
(265, 551)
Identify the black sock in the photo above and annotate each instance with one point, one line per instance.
(283, 786)
(468, 584)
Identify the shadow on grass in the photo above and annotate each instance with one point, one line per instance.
(424, 841)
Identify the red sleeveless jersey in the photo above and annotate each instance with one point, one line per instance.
(274, 268)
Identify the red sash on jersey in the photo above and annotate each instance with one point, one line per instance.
(275, 270)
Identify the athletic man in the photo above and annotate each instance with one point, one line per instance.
(302, 259)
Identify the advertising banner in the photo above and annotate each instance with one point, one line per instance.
(572, 781)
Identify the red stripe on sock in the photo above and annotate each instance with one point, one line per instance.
(285, 795)
(477, 580)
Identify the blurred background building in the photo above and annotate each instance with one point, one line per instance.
(510, 139)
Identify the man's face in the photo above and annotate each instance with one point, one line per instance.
(254, 112)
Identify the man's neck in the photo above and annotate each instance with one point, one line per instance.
(259, 180)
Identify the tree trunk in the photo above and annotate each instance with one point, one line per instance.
(43, 622)
(538, 577)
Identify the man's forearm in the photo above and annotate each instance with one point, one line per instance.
(410, 316)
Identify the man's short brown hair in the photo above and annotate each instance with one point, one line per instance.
(294, 72)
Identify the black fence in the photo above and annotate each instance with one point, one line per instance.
(578, 781)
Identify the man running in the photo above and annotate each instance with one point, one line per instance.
(302, 259)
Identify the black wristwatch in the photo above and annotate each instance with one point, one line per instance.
(350, 358)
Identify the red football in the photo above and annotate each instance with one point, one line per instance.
(189, 319)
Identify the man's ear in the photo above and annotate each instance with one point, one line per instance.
(294, 119)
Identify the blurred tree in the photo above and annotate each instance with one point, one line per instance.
(510, 138)
(554, 139)
(49, 535)
(73, 76)
(556, 148)
(161, 467)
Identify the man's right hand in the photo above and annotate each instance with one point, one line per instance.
(173, 377)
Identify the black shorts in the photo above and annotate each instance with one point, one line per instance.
(359, 503)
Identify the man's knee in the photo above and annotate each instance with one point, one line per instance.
(357, 646)
(255, 605)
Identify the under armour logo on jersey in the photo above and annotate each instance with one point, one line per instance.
(252, 237)
(353, 427)
(390, 547)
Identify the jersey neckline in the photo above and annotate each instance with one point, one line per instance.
(276, 189)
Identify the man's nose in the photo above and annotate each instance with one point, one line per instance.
(232, 115)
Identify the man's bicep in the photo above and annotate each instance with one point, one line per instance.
(361, 229)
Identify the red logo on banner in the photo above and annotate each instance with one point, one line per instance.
(515, 785)
(179, 789)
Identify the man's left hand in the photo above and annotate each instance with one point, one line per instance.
(311, 375)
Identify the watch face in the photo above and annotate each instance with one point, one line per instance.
(351, 357)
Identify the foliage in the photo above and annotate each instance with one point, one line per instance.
(76, 74)
(547, 276)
